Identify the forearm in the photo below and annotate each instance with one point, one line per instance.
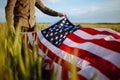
(45, 9)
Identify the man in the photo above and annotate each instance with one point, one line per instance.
(23, 11)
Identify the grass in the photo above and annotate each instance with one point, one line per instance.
(17, 62)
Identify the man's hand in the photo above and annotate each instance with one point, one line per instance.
(63, 15)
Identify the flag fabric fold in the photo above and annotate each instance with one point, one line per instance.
(87, 53)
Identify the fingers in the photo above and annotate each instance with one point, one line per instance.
(63, 15)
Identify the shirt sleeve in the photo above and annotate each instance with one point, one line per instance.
(45, 9)
(9, 11)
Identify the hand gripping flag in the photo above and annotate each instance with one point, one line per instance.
(87, 53)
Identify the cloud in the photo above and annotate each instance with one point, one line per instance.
(107, 11)
(102, 10)
(112, 5)
(84, 11)
(51, 1)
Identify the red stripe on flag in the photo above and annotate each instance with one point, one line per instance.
(30, 46)
(92, 31)
(112, 45)
(64, 74)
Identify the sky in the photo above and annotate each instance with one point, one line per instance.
(82, 11)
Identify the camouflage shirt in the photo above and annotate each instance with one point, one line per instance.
(23, 11)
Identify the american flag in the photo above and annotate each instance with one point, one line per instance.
(94, 52)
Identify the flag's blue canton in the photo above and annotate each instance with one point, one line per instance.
(57, 32)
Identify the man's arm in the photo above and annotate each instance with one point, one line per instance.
(46, 10)
(9, 11)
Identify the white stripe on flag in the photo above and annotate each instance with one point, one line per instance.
(85, 35)
(108, 30)
(111, 38)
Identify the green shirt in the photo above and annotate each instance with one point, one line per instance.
(23, 12)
